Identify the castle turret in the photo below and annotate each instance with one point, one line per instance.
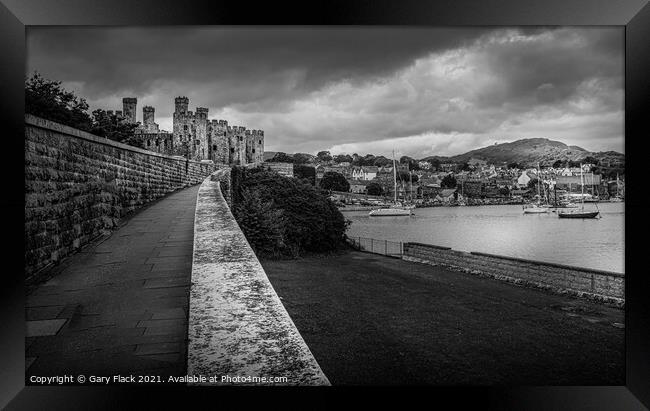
(181, 104)
(129, 105)
(202, 112)
(148, 114)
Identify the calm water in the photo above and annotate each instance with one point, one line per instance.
(506, 230)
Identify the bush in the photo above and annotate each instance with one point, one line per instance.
(375, 189)
(262, 224)
(302, 215)
(334, 181)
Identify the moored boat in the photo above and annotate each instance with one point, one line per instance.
(578, 214)
(392, 211)
(535, 209)
(581, 213)
(396, 209)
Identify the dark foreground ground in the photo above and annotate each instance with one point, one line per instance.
(370, 319)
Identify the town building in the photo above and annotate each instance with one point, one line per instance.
(365, 172)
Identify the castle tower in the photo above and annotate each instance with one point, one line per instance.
(129, 105)
(148, 114)
(181, 104)
(202, 112)
(148, 123)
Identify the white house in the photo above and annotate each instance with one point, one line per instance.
(364, 173)
(523, 179)
(424, 165)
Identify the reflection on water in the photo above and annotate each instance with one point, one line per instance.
(505, 230)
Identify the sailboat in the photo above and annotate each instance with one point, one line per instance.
(396, 209)
(536, 208)
(617, 198)
(581, 213)
(461, 198)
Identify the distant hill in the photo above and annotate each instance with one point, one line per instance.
(530, 151)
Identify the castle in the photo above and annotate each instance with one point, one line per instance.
(195, 136)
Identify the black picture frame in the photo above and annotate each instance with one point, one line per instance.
(15, 15)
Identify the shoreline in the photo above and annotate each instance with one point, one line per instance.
(373, 207)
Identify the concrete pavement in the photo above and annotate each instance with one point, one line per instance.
(120, 306)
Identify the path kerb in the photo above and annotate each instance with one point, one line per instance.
(239, 332)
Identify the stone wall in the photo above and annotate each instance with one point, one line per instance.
(595, 284)
(238, 326)
(78, 185)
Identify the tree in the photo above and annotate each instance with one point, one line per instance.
(558, 164)
(342, 158)
(334, 181)
(532, 184)
(449, 181)
(375, 189)
(381, 161)
(47, 99)
(305, 172)
(514, 164)
(504, 191)
(435, 163)
(324, 156)
(115, 128)
(404, 176)
(465, 167)
(301, 158)
(412, 164)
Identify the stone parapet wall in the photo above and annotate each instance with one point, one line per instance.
(595, 284)
(78, 186)
(238, 326)
(225, 183)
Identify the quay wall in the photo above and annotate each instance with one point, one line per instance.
(237, 323)
(78, 186)
(594, 284)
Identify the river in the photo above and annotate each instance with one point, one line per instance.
(506, 230)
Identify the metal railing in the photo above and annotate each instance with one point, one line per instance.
(383, 247)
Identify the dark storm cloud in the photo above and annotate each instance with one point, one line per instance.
(423, 89)
(244, 65)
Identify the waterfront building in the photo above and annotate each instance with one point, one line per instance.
(358, 186)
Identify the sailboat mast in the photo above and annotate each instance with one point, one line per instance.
(539, 180)
(394, 178)
(582, 189)
(410, 184)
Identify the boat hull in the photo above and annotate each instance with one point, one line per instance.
(580, 214)
(535, 210)
(390, 212)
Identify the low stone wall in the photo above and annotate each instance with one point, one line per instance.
(595, 284)
(225, 183)
(78, 186)
(238, 326)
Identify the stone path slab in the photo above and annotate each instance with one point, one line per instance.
(121, 306)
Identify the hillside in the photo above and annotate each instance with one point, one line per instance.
(532, 151)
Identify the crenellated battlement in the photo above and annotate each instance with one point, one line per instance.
(196, 136)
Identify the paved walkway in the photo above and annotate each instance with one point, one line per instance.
(121, 306)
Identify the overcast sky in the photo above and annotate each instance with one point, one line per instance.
(420, 91)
